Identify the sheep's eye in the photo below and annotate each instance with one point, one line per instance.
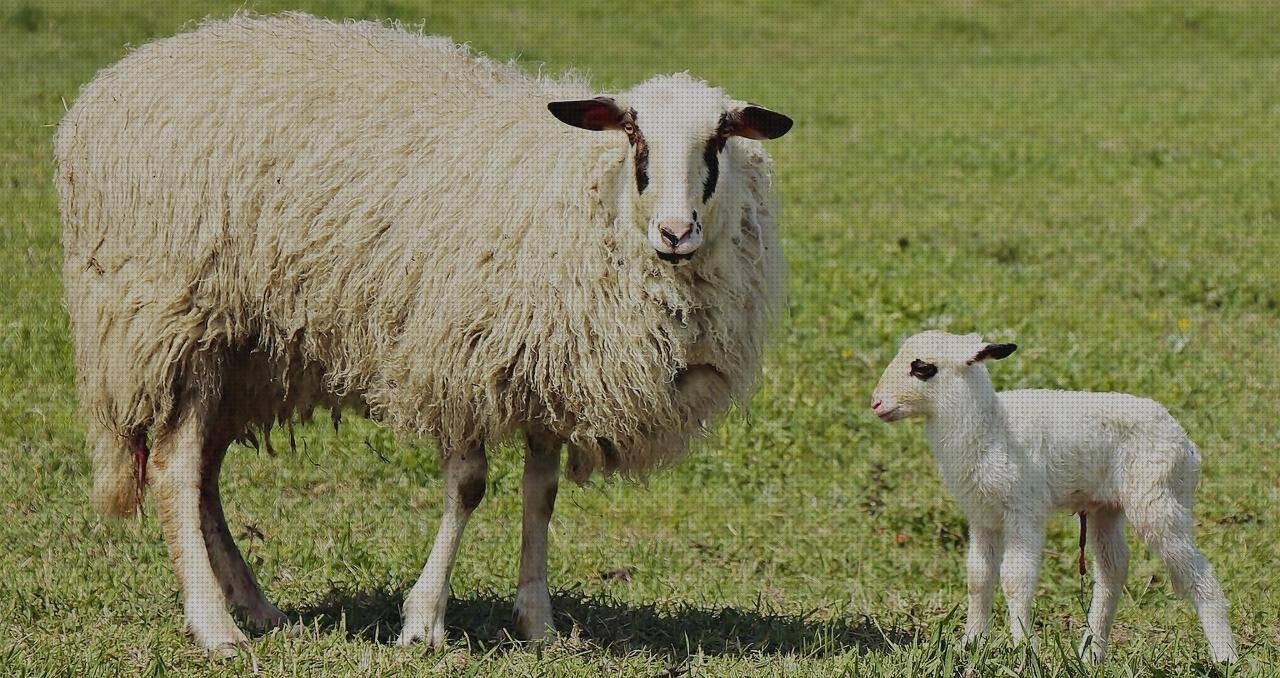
(628, 128)
(922, 370)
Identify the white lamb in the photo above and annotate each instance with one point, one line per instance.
(1009, 459)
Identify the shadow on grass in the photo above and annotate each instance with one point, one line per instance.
(483, 622)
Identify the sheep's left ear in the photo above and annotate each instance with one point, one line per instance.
(754, 122)
(600, 113)
(993, 351)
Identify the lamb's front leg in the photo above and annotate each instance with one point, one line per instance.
(538, 489)
(1020, 571)
(465, 473)
(983, 563)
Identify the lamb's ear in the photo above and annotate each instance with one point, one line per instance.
(993, 351)
(596, 114)
(754, 122)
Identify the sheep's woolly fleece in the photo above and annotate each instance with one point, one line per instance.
(320, 214)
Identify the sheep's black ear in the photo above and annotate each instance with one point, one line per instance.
(596, 114)
(755, 122)
(994, 351)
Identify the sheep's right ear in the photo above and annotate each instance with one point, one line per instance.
(994, 352)
(596, 114)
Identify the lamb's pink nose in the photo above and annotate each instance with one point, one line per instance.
(876, 403)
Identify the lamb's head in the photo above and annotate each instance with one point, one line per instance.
(934, 367)
(677, 128)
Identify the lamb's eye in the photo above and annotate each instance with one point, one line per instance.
(922, 370)
(628, 128)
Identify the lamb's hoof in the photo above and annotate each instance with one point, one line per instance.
(1224, 656)
(433, 634)
(1091, 651)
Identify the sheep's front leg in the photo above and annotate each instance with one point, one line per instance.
(983, 563)
(538, 489)
(1020, 572)
(1110, 568)
(465, 474)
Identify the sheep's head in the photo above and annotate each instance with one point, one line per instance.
(931, 366)
(677, 128)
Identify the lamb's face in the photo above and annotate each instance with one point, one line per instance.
(677, 128)
(930, 366)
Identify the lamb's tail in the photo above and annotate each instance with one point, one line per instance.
(119, 473)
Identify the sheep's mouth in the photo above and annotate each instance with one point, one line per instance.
(672, 257)
(891, 415)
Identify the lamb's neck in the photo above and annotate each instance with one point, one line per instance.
(968, 426)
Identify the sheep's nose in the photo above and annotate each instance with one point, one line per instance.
(675, 233)
(876, 403)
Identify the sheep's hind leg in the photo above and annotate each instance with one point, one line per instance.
(175, 465)
(234, 576)
(1110, 568)
(538, 490)
(464, 474)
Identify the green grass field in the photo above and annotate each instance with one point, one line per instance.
(1098, 181)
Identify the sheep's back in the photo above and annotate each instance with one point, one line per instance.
(290, 180)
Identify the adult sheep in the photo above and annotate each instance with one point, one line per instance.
(268, 215)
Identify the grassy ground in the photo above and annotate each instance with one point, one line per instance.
(1099, 181)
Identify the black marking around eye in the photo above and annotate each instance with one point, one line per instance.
(711, 153)
(641, 148)
(711, 156)
(922, 370)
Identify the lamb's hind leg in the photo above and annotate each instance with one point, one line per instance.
(538, 490)
(175, 470)
(464, 473)
(1166, 526)
(1110, 568)
(234, 576)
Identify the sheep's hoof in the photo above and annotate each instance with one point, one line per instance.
(535, 627)
(291, 630)
(227, 651)
(266, 618)
(221, 638)
(533, 614)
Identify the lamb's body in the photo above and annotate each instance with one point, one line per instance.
(265, 216)
(1010, 459)
(1076, 451)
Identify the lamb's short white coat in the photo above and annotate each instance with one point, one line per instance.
(1010, 459)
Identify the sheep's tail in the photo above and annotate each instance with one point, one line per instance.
(120, 473)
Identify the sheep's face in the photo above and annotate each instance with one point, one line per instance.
(677, 128)
(929, 367)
